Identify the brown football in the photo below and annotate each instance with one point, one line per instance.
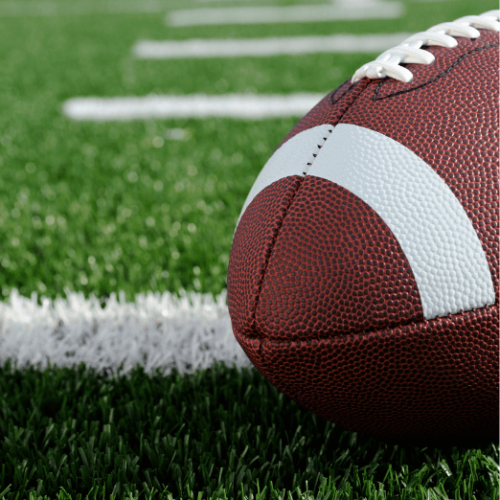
(363, 277)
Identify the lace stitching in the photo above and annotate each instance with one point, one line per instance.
(388, 64)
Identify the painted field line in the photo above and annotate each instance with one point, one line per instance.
(292, 14)
(157, 331)
(261, 47)
(242, 106)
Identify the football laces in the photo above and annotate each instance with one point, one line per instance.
(388, 64)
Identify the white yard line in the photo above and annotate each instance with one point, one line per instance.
(292, 14)
(187, 333)
(54, 8)
(241, 106)
(259, 47)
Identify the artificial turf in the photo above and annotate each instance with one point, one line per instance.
(140, 206)
(220, 433)
(101, 207)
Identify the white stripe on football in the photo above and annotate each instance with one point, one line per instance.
(430, 224)
(292, 158)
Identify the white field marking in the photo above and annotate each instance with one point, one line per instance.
(51, 8)
(156, 331)
(241, 106)
(261, 47)
(291, 14)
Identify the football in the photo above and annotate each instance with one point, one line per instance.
(363, 276)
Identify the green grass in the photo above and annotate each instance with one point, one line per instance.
(95, 207)
(215, 434)
(103, 209)
(100, 208)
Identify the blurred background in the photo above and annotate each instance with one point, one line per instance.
(131, 132)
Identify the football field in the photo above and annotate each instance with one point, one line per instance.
(130, 135)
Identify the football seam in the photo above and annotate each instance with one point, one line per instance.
(299, 182)
(253, 311)
(360, 334)
(292, 197)
(280, 224)
(335, 100)
(445, 72)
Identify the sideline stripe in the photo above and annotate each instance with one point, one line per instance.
(292, 14)
(187, 333)
(242, 106)
(261, 47)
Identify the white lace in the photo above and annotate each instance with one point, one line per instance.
(388, 63)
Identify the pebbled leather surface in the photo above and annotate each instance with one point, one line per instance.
(330, 109)
(362, 355)
(431, 381)
(428, 221)
(293, 158)
(446, 64)
(452, 124)
(253, 242)
(336, 268)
